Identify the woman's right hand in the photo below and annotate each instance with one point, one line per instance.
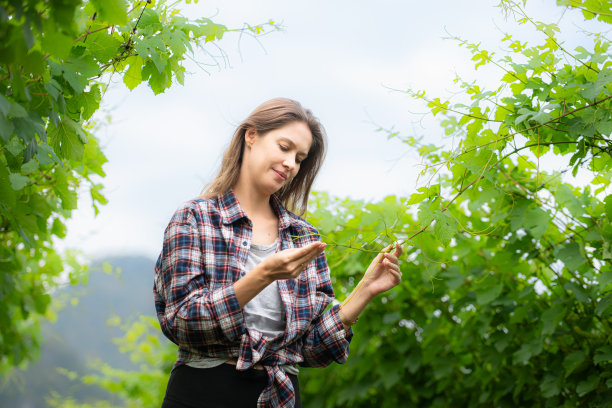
(290, 263)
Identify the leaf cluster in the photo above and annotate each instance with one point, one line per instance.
(506, 298)
(54, 58)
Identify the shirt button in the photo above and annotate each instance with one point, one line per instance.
(244, 243)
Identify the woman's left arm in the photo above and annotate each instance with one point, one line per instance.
(329, 334)
(383, 274)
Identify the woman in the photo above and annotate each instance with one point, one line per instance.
(241, 283)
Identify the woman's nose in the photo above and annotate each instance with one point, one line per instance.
(289, 163)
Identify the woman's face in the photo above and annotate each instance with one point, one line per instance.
(274, 158)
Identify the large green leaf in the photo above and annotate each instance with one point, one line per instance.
(572, 361)
(571, 255)
(445, 227)
(66, 140)
(111, 11)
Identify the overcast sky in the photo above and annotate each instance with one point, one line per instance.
(338, 58)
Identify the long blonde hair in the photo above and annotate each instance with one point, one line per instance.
(272, 115)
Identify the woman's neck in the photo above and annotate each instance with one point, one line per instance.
(254, 203)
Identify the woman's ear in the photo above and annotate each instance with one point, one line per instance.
(249, 136)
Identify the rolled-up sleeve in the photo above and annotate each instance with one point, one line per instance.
(325, 340)
(189, 313)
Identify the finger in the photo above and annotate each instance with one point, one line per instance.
(303, 253)
(394, 268)
(398, 248)
(397, 275)
(392, 258)
(387, 249)
(388, 264)
(315, 251)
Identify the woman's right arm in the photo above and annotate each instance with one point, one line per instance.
(287, 264)
(189, 313)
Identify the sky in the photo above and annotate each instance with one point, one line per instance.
(347, 61)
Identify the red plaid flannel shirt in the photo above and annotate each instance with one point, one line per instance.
(205, 248)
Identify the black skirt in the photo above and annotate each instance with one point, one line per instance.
(218, 387)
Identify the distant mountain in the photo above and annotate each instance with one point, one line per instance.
(81, 336)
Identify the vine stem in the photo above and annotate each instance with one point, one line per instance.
(529, 128)
(91, 32)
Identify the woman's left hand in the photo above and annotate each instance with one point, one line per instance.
(384, 272)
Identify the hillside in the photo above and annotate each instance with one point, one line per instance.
(81, 336)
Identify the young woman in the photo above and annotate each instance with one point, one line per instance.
(242, 282)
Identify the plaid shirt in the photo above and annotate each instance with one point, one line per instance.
(205, 249)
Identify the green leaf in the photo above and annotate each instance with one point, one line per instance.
(594, 89)
(412, 362)
(550, 386)
(566, 197)
(542, 117)
(41, 301)
(53, 88)
(550, 319)
(608, 206)
(572, 361)
(570, 255)
(56, 43)
(158, 81)
(78, 70)
(58, 228)
(29, 167)
(445, 227)
(536, 220)
(476, 160)
(588, 385)
(605, 278)
(133, 76)
(489, 293)
(5, 105)
(46, 155)
(17, 111)
(65, 140)
(6, 128)
(605, 127)
(15, 146)
(527, 350)
(578, 291)
(603, 306)
(103, 46)
(111, 11)
(7, 194)
(85, 104)
(425, 215)
(603, 354)
(18, 181)
(501, 341)
(150, 19)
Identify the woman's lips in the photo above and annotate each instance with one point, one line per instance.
(280, 175)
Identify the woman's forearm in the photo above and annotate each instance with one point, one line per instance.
(351, 308)
(247, 287)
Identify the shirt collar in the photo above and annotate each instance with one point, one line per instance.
(231, 210)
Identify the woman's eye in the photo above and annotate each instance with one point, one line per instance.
(298, 161)
(283, 148)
